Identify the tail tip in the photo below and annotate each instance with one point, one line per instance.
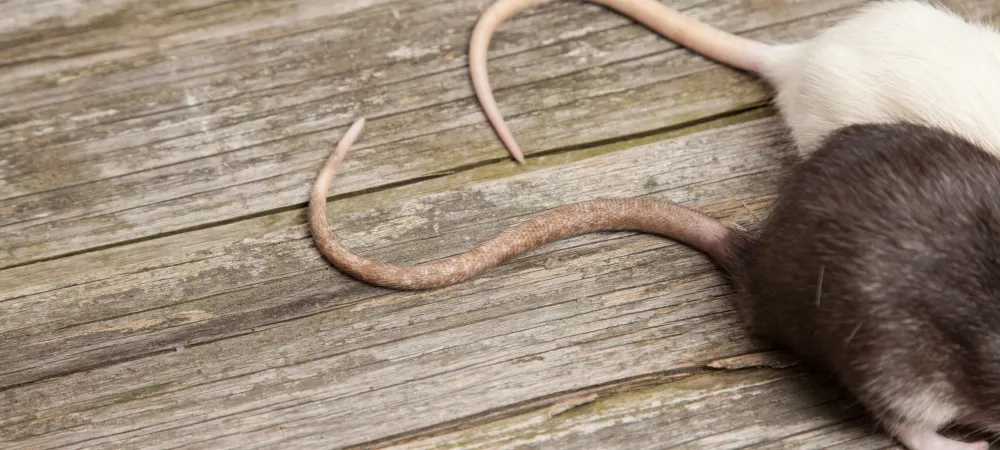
(518, 156)
(512, 147)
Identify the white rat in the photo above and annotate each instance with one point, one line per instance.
(894, 60)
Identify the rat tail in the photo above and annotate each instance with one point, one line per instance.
(711, 42)
(644, 215)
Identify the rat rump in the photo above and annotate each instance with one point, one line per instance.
(892, 60)
(879, 263)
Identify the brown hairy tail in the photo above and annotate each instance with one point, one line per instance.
(634, 214)
(711, 42)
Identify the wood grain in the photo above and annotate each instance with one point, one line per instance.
(159, 289)
(188, 137)
(714, 410)
(276, 346)
(240, 334)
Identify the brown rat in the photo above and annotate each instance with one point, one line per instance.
(879, 263)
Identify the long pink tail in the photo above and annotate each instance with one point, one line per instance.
(711, 42)
(644, 215)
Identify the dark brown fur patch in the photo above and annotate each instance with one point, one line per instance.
(881, 262)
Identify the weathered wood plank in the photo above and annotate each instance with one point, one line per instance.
(714, 410)
(225, 142)
(70, 35)
(173, 261)
(277, 348)
(239, 334)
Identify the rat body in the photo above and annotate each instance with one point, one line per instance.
(894, 60)
(879, 263)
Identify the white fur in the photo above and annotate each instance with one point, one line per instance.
(928, 407)
(914, 409)
(894, 60)
(922, 439)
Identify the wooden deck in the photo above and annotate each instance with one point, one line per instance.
(159, 289)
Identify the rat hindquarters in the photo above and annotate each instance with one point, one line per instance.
(881, 263)
(891, 60)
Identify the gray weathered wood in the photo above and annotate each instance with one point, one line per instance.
(158, 287)
(240, 333)
(192, 137)
(713, 410)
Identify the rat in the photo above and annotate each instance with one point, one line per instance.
(879, 263)
(893, 60)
